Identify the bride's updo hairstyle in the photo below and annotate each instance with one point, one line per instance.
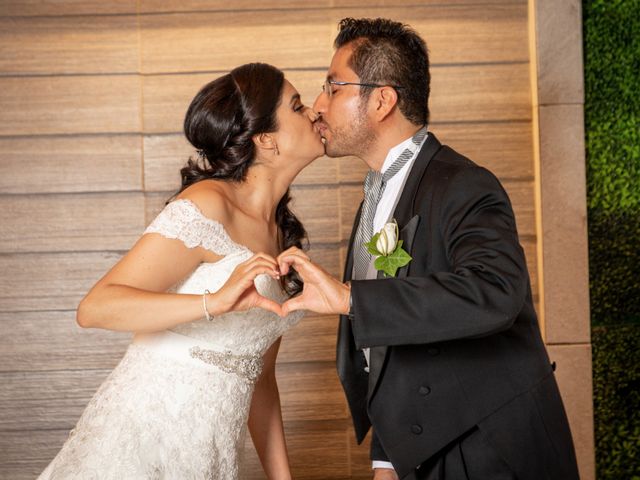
(220, 123)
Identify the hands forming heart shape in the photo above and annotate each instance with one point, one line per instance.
(321, 292)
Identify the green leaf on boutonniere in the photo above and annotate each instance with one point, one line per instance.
(391, 263)
(371, 245)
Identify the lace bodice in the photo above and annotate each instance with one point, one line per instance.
(244, 333)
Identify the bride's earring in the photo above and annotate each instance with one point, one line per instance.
(275, 149)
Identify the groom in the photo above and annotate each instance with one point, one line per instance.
(445, 359)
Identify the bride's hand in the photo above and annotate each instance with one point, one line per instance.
(321, 292)
(239, 292)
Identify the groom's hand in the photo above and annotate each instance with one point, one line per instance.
(384, 474)
(321, 292)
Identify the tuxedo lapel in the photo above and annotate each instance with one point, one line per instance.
(408, 224)
(348, 263)
(404, 207)
(350, 361)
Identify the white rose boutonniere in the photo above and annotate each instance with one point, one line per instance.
(386, 246)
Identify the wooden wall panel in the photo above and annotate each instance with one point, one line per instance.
(49, 399)
(71, 222)
(93, 163)
(310, 391)
(480, 93)
(161, 6)
(68, 105)
(25, 453)
(292, 38)
(51, 340)
(49, 281)
(158, 6)
(505, 148)
(64, 45)
(312, 340)
(286, 38)
(318, 450)
(66, 7)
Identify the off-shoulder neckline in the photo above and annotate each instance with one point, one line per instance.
(215, 223)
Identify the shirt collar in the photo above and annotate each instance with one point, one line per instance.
(395, 152)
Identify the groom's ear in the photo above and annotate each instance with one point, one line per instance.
(385, 99)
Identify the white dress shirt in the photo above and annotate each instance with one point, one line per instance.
(384, 211)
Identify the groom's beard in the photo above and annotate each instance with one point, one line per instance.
(353, 138)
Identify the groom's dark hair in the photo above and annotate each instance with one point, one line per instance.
(390, 53)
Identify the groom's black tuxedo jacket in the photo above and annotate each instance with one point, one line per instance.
(455, 343)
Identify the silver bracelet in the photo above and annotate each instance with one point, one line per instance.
(204, 305)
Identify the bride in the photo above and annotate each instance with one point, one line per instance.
(203, 304)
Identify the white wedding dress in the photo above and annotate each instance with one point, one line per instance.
(176, 406)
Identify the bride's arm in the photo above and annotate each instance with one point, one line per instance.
(131, 296)
(265, 420)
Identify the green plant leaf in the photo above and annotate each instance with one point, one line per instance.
(371, 245)
(392, 262)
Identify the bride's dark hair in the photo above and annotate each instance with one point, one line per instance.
(220, 123)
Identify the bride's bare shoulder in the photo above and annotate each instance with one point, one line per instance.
(211, 198)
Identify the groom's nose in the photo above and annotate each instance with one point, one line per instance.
(320, 105)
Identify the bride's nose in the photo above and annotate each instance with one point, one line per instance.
(313, 116)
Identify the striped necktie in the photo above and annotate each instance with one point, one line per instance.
(374, 185)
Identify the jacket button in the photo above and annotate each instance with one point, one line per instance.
(433, 351)
(417, 429)
(424, 390)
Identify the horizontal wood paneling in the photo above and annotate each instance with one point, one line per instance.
(67, 7)
(203, 5)
(311, 391)
(24, 454)
(312, 340)
(50, 281)
(70, 164)
(64, 45)
(301, 38)
(286, 38)
(317, 207)
(64, 105)
(49, 399)
(38, 341)
(317, 451)
(71, 222)
(480, 93)
(505, 148)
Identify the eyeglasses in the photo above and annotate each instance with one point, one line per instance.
(326, 86)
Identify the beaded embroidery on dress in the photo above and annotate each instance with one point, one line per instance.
(176, 406)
